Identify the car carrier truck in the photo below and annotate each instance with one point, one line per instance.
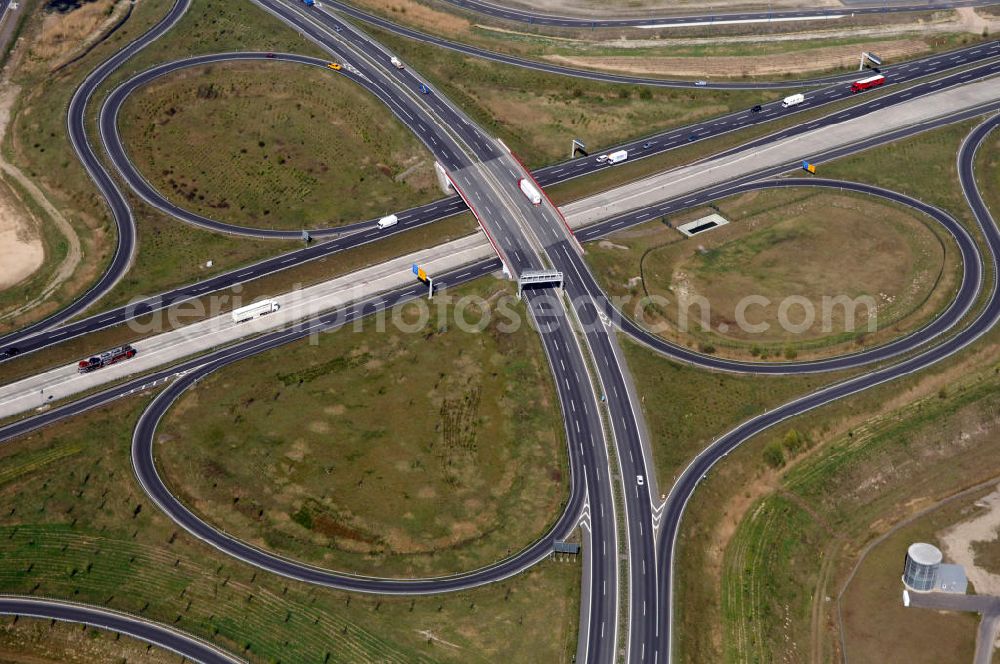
(104, 359)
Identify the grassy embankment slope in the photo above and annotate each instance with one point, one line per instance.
(457, 432)
(802, 243)
(806, 534)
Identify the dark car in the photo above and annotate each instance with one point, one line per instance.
(8, 353)
(647, 145)
(757, 109)
(269, 55)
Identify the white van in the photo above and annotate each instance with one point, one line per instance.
(396, 62)
(386, 222)
(793, 100)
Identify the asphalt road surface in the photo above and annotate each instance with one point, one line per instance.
(171, 639)
(500, 11)
(525, 238)
(593, 75)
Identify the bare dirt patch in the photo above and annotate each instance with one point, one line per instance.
(959, 542)
(21, 250)
(20, 259)
(63, 35)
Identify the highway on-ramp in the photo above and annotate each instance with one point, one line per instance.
(185, 645)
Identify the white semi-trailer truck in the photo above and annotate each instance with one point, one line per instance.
(530, 191)
(255, 310)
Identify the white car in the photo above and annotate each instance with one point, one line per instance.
(603, 158)
(640, 480)
(701, 83)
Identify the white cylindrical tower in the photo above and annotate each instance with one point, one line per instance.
(921, 567)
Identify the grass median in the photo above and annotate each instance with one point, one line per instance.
(774, 51)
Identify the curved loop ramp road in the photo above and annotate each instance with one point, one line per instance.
(171, 639)
(680, 494)
(972, 270)
(144, 465)
(118, 154)
(120, 209)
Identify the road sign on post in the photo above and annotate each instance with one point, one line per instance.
(806, 166)
(578, 145)
(870, 57)
(423, 276)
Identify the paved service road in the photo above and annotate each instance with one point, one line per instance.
(499, 10)
(183, 644)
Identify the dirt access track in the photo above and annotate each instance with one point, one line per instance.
(643, 8)
(894, 43)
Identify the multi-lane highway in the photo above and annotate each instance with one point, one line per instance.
(526, 237)
(32, 338)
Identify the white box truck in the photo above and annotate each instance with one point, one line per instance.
(616, 157)
(793, 100)
(396, 62)
(255, 310)
(386, 222)
(530, 191)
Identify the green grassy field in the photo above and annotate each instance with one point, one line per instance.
(456, 432)
(804, 243)
(75, 525)
(275, 145)
(637, 45)
(71, 644)
(686, 408)
(781, 522)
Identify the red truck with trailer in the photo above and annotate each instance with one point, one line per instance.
(867, 83)
(104, 359)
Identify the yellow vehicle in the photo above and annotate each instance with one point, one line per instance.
(334, 65)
